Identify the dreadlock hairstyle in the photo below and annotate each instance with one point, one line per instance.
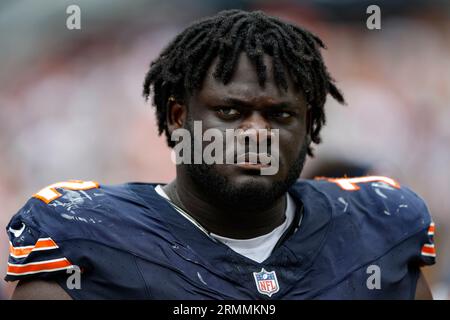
(182, 65)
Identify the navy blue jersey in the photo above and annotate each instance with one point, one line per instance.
(361, 238)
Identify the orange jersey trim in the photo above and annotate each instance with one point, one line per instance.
(428, 250)
(36, 267)
(351, 184)
(41, 244)
(431, 229)
(49, 193)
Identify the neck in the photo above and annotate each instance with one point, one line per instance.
(235, 223)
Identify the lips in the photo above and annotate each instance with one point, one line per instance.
(251, 166)
(252, 160)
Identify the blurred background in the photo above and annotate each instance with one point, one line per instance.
(71, 104)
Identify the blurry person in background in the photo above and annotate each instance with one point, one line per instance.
(226, 231)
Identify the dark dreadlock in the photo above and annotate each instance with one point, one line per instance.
(182, 65)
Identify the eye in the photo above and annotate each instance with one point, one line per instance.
(228, 112)
(282, 114)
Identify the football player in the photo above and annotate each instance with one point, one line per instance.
(225, 231)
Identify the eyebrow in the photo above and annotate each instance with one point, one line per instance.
(245, 104)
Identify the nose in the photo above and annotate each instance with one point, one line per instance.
(255, 121)
(255, 127)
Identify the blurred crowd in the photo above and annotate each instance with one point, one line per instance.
(71, 104)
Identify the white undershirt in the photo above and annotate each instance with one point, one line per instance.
(257, 249)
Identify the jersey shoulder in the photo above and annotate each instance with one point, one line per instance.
(71, 209)
(379, 212)
(375, 196)
(45, 234)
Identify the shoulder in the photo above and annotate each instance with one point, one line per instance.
(59, 224)
(372, 221)
(373, 208)
(69, 209)
(376, 212)
(378, 197)
(87, 209)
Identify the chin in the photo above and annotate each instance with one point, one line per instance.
(232, 186)
(247, 181)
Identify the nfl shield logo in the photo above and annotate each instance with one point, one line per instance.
(266, 282)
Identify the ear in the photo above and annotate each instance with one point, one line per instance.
(176, 115)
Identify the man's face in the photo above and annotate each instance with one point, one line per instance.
(243, 104)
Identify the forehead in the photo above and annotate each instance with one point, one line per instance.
(244, 84)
